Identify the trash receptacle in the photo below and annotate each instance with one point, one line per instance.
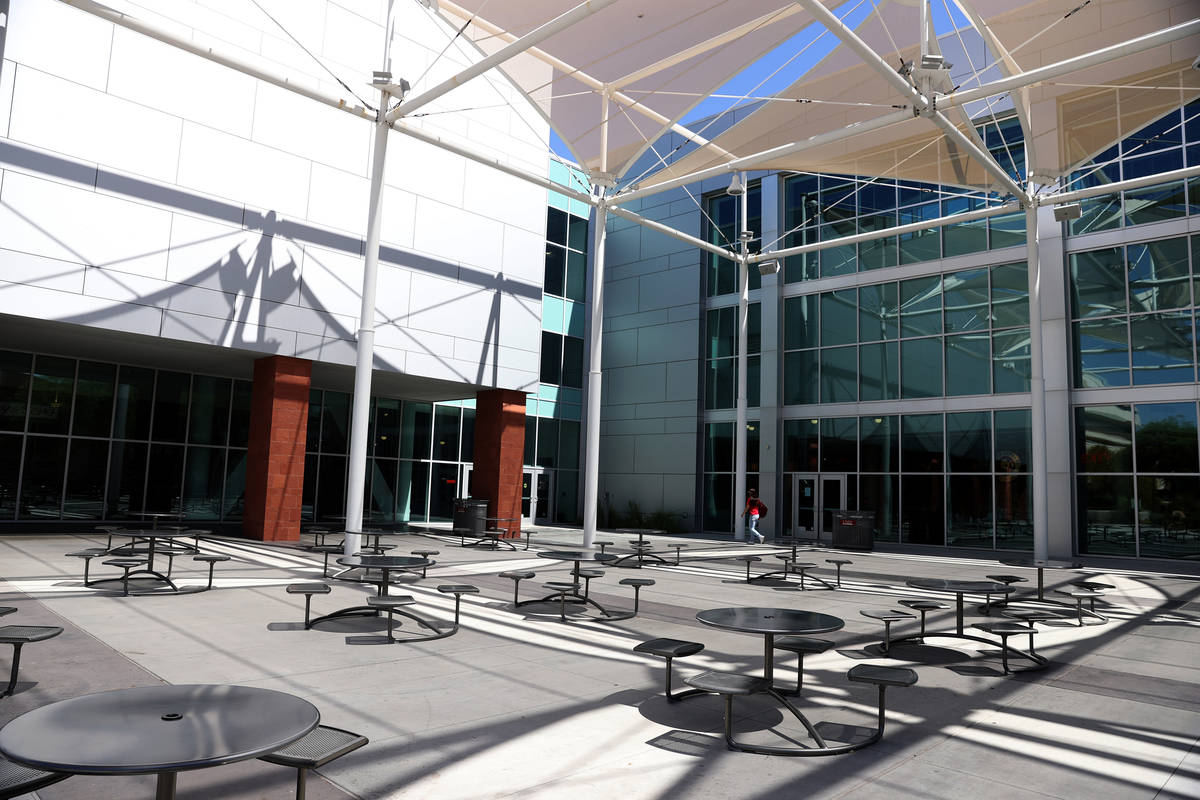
(470, 514)
(854, 530)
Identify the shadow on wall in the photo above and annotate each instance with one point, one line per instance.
(265, 280)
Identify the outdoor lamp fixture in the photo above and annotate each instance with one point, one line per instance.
(735, 187)
(383, 80)
(768, 267)
(1067, 212)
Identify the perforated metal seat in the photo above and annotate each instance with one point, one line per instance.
(923, 606)
(126, 564)
(211, 559)
(458, 590)
(1005, 630)
(637, 584)
(388, 602)
(562, 589)
(6, 610)
(17, 779)
(749, 560)
(426, 555)
(516, 576)
(19, 636)
(322, 745)
(308, 590)
(838, 563)
(87, 555)
(325, 550)
(887, 618)
(801, 646)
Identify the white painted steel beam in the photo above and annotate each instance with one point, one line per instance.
(669, 231)
(511, 50)
(591, 445)
(1037, 392)
(739, 434)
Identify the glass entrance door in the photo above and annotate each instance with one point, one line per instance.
(833, 498)
(803, 522)
(537, 496)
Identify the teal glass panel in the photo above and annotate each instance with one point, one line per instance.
(922, 245)
(553, 314)
(722, 332)
(566, 506)
(922, 443)
(839, 317)
(555, 272)
(1170, 506)
(1006, 230)
(841, 259)
(921, 368)
(921, 306)
(1161, 348)
(800, 377)
(881, 494)
(878, 253)
(963, 237)
(718, 447)
(572, 370)
(1156, 203)
(1104, 438)
(171, 391)
(1014, 512)
(1165, 437)
(42, 477)
(1101, 353)
(446, 421)
(126, 479)
(839, 444)
(969, 441)
(965, 298)
(879, 444)
(800, 320)
(547, 443)
(568, 444)
(94, 390)
(1010, 361)
(879, 371)
(878, 312)
(14, 390)
(1098, 283)
(1014, 440)
(801, 439)
(412, 490)
(839, 374)
(576, 285)
(86, 468)
(1159, 277)
(208, 422)
(551, 362)
(203, 482)
(1105, 514)
(1098, 213)
(558, 201)
(877, 207)
(969, 511)
(967, 364)
(1010, 294)
(577, 232)
(52, 396)
(720, 383)
(381, 490)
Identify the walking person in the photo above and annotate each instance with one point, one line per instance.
(755, 509)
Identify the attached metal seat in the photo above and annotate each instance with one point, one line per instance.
(602, 545)
(388, 603)
(516, 576)
(19, 636)
(211, 559)
(562, 589)
(728, 683)
(17, 779)
(1079, 595)
(87, 555)
(637, 584)
(887, 618)
(308, 590)
(749, 560)
(801, 646)
(670, 649)
(1007, 629)
(425, 554)
(458, 590)
(1007, 580)
(838, 563)
(126, 564)
(326, 549)
(320, 746)
(924, 606)
(588, 575)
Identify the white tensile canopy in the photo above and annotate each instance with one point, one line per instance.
(899, 96)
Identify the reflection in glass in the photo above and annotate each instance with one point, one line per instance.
(1014, 440)
(568, 497)
(209, 419)
(1166, 437)
(880, 493)
(800, 371)
(468, 434)
(1010, 294)
(1014, 512)
(921, 443)
(718, 447)
(800, 317)
(126, 478)
(52, 395)
(412, 487)
(1010, 361)
(445, 432)
(966, 301)
(568, 447)
(335, 422)
(1161, 348)
(171, 406)
(1169, 515)
(968, 364)
(1104, 439)
(94, 399)
(969, 441)
(42, 477)
(720, 377)
(1105, 514)
(922, 245)
(800, 445)
(235, 485)
(878, 312)
(879, 371)
(1098, 283)
(839, 374)
(414, 431)
(443, 492)
(879, 444)
(1101, 353)
(921, 306)
(969, 511)
(547, 443)
(839, 444)
(203, 482)
(313, 431)
(14, 389)
(385, 442)
(921, 367)
(838, 317)
(718, 506)
(923, 511)
(1159, 278)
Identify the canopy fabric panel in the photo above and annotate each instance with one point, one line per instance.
(1069, 120)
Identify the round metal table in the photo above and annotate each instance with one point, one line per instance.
(770, 622)
(157, 729)
(1040, 565)
(151, 537)
(959, 588)
(578, 556)
(385, 565)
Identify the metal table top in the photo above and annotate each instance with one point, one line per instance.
(1051, 563)
(384, 562)
(770, 620)
(157, 729)
(959, 587)
(575, 555)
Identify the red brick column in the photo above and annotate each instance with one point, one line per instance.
(499, 451)
(275, 458)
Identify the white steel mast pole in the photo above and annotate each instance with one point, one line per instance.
(591, 445)
(356, 477)
(739, 448)
(1037, 391)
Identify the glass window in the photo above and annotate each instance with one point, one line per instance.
(720, 383)
(335, 422)
(1105, 514)
(1102, 353)
(722, 332)
(556, 270)
(381, 490)
(568, 445)
(1010, 361)
(415, 430)
(1006, 230)
(171, 406)
(1010, 294)
(1104, 438)
(923, 510)
(968, 364)
(94, 399)
(922, 442)
(14, 389)
(331, 486)
(53, 392)
(313, 431)
(879, 371)
(239, 414)
(878, 312)
(551, 357)
(839, 374)
(718, 447)
(969, 441)
(1159, 277)
(1169, 512)
(1165, 437)
(164, 477)
(556, 226)
(412, 489)
(10, 472)
(1014, 440)
(923, 245)
(577, 232)
(921, 306)
(800, 317)
(966, 301)
(576, 276)
(1161, 350)
(572, 369)
(529, 456)
(42, 477)
(445, 432)
(468, 435)
(1014, 512)
(235, 485)
(443, 490)
(800, 370)
(718, 502)
(963, 237)
(800, 445)
(1098, 283)
(969, 509)
(839, 444)
(385, 441)
(921, 368)
(208, 422)
(838, 317)
(203, 482)
(547, 443)
(879, 444)
(881, 494)
(126, 479)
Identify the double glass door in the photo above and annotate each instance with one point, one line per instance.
(537, 494)
(814, 499)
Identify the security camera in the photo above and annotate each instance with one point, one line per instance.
(1196, 63)
(735, 187)
(1067, 212)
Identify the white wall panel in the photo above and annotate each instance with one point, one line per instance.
(429, 343)
(58, 39)
(8, 70)
(17, 267)
(520, 322)
(450, 307)
(65, 222)
(332, 281)
(180, 83)
(106, 129)
(424, 169)
(294, 124)
(353, 42)
(328, 349)
(393, 290)
(243, 335)
(399, 217)
(338, 199)
(209, 254)
(23, 300)
(228, 166)
(454, 235)
(524, 255)
(495, 194)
